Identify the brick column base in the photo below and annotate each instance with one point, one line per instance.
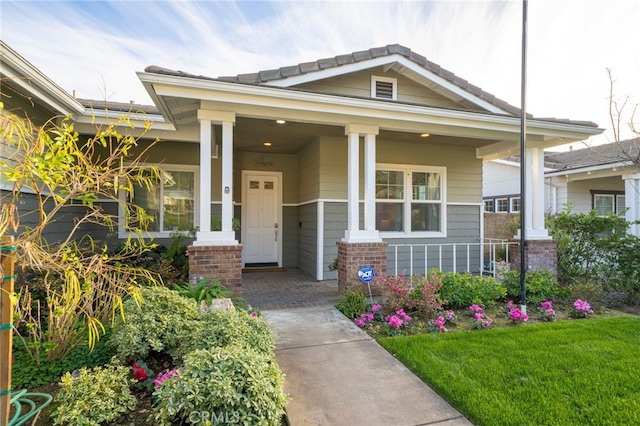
(539, 255)
(223, 263)
(352, 256)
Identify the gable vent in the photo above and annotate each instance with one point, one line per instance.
(384, 89)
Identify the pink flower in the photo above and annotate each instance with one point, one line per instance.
(450, 315)
(479, 316)
(510, 305)
(546, 305)
(489, 321)
(359, 322)
(394, 322)
(476, 308)
(366, 317)
(517, 315)
(581, 305)
(162, 377)
(375, 308)
(254, 314)
(403, 315)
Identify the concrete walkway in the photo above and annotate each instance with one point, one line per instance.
(338, 375)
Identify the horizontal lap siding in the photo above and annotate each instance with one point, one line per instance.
(463, 226)
(307, 238)
(290, 234)
(359, 84)
(335, 223)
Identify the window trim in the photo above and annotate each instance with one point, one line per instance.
(493, 205)
(407, 170)
(497, 204)
(394, 86)
(511, 203)
(195, 169)
(615, 195)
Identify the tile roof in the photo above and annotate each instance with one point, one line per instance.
(611, 153)
(264, 77)
(119, 106)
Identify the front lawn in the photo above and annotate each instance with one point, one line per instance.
(573, 372)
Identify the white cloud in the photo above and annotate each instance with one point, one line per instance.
(571, 42)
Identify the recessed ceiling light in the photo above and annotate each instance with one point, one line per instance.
(424, 135)
(267, 144)
(280, 121)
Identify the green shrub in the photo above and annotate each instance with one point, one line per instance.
(30, 373)
(231, 384)
(352, 304)
(98, 395)
(462, 290)
(540, 286)
(159, 323)
(416, 294)
(206, 290)
(225, 328)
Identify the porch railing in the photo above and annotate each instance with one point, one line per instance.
(475, 258)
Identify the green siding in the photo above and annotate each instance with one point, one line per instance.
(359, 84)
(307, 238)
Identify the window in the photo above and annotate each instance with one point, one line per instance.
(410, 200)
(608, 203)
(383, 87)
(502, 205)
(515, 204)
(621, 205)
(171, 202)
(489, 206)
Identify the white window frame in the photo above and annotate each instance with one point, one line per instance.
(624, 204)
(497, 204)
(512, 204)
(493, 205)
(611, 197)
(407, 171)
(122, 230)
(394, 83)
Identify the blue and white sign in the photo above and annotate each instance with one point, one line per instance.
(366, 274)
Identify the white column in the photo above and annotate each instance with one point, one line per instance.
(353, 183)
(226, 236)
(632, 201)
(370, 183)
(204, 221)
(227, 178)
(353, 233)
(534, 189)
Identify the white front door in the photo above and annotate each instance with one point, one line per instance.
(261, 218)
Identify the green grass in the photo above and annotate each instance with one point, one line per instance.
(577, 372)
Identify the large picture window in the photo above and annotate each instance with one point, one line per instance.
(410, 200)
(171, 201)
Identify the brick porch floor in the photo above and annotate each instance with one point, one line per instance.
(287, 289)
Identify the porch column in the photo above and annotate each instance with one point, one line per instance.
(226, 236)
(632, 201)
(353, 233)
(534, 195)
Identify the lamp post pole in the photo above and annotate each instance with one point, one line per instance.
(523, 139)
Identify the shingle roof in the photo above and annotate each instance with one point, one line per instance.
(119, 106)
(611, 153)
(264, 77)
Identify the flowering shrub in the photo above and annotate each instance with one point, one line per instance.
(413, 294)
(546, 311)
(581, 309)
(375, 320)
(480, 320)
(333, 265)
(438, 325)
(517, 316)
(162, 377)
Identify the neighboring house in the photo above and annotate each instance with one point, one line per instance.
(348, 157)
(603, 177)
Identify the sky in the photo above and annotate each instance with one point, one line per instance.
(95, 48)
